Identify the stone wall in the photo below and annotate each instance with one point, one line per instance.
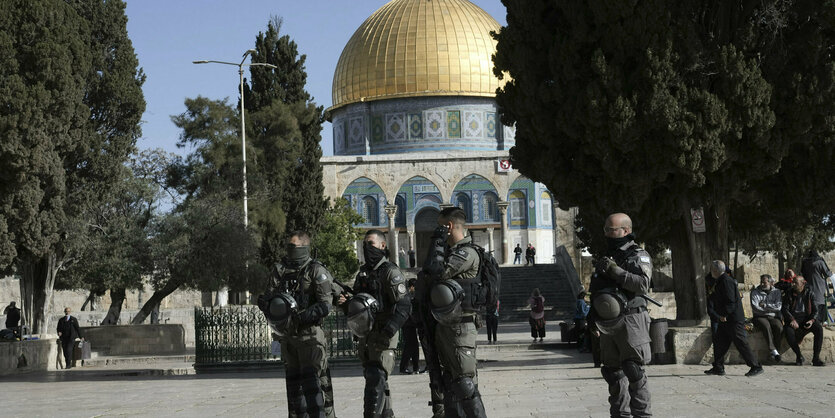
(692, 345)
(28, 356)
(146, 339)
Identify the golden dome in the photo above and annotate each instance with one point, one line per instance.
(411, 48)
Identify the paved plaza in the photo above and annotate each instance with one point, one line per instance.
(551, 380)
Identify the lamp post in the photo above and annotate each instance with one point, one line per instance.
(241, 66)
(223, 294)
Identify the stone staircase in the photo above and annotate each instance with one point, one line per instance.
(558, 283)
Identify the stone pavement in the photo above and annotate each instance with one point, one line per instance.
(551, 381)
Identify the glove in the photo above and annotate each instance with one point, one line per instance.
(612, 270)
(440, 232)
(378, 340)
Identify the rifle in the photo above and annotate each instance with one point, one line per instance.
(433, 363)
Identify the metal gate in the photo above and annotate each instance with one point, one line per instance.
(240, 334)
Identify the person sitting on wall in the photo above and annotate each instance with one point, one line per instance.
(766, 302)
(799, 313)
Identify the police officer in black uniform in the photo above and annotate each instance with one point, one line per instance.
(620, 315)
(451, 271)
(376, 313)
(297, 303)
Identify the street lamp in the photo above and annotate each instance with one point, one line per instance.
(241, 66)
(223, 294)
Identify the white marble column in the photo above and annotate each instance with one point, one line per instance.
(505, 232)
(490, 240)
(554, 210)
(411, 231)
(391, 211)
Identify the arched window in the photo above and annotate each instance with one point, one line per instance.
(400, 218)
(518, 208)
(490, 207)
(463, 202)
(545, 209)
(369, 211)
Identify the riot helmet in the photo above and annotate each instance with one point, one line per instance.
(280, 313)
(361, 311)
(445, 298)
(610, 307)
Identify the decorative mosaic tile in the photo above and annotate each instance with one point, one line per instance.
(453, 123)
(490, 125)
(377, 129)
(435, 124)
(355, 131)
(473, 127)
(395, 127)
(415, 126)
(339, 136)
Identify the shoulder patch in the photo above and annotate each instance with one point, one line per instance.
(322, 278)
(401, 289)
(645, 259)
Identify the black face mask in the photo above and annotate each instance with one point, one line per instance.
(372, 254)
(614, 244)
(297, 255)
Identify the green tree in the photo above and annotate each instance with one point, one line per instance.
(654, 108)
(336, 240)
(202, 245)
(69, 117)
(286, 130)
(117, 253)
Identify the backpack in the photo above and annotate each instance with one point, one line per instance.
(538, 306)
(489, 279)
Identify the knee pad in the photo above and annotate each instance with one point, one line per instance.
(464, 388)
(633, 370)
(611, 374)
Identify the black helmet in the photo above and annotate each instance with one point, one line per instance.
(280, 313)
(610, 306)
(446, 297)
(361, 311)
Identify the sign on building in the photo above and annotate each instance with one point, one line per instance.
(503, 165)
(697, 219)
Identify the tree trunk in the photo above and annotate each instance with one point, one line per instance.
(781, 264)
(692, 253)
(117, 299)
(91, 300)
(155, 300)
(36, 285)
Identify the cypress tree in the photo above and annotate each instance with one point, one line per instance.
(70, 104)
(286, 129)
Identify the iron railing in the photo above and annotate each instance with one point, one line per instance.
(235, 334)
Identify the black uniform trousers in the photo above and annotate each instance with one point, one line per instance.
(411, 349)
(727, 332)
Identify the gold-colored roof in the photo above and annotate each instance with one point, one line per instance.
(413, 48)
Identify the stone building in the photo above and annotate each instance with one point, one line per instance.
(416, 129)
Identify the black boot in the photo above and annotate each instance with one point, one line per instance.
(375, 392)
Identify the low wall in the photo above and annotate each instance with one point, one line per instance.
(117, 340)
(28, 356)
(693, 345)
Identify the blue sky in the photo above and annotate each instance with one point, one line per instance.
(168, 35)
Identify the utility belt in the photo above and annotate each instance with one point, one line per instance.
(637, 309)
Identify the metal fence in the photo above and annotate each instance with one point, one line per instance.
(235, 334)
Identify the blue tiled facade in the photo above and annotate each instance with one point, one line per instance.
(419, 124)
